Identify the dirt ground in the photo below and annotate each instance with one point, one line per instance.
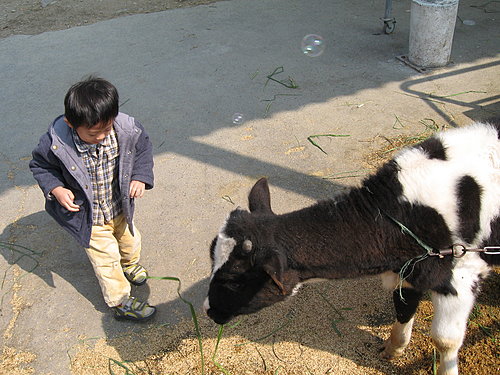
(279, 340)
(283, 340)
(31, 17)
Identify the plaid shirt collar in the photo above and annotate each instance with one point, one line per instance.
(82, 146)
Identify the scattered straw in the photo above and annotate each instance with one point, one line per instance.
(270, 101)
(193, 315)
(392, 145)
(297, 337)
(13, 361)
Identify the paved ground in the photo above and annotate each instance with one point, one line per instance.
(184, 73)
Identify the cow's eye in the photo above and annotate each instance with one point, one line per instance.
(232, 285)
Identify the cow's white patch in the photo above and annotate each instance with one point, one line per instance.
(298, 286)
(392, 281)
(223, 248)
(296, 289)
(206, 305)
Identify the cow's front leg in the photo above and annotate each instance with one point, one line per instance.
(406, 302)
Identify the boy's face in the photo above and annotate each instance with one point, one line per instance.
(95, 134)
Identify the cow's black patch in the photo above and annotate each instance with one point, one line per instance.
(212, 249)
(469, 207)
(406, 302)
(431, 229)
(493, 240)
(433, 148)
(383, 188)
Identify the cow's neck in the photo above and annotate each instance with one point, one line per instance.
(347, 238)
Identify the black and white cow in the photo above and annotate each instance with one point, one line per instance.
(445, 191)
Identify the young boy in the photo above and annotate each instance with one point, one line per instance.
(91, 165)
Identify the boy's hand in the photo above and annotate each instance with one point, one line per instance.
(66, 198)
(137, 189)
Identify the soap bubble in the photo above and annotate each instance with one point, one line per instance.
(313, 45)
(238, 119)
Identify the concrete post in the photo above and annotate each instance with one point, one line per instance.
(432, 24)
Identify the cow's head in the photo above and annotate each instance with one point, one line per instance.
(249, 268)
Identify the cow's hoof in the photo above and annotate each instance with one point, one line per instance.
(389, 351)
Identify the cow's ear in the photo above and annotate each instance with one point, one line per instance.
(259, 198)
(275, 268)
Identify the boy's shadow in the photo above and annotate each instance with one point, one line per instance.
(38, 245)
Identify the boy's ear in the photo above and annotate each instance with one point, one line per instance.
(67, 123)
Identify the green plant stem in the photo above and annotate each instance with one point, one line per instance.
(291, 83)
(193, 315)
(310, 139)
(219, 336)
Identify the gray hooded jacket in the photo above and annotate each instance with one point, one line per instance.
(56, 162)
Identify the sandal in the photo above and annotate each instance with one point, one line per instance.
(135, 310)
(135, 274)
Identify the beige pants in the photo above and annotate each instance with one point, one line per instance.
(112, 247)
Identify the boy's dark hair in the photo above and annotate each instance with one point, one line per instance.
(91, 101)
